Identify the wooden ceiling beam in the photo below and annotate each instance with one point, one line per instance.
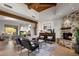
(20, 18)
(40, 6)
(16, 17)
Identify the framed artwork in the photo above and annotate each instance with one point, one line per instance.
(47, 26)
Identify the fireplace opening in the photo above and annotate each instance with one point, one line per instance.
(67, 36)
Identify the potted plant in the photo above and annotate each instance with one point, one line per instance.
(77, 40)
(77, 35)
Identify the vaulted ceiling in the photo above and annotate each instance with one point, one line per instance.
(58, 11)
(40, 6)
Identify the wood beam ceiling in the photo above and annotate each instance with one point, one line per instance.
(40, 6)
(17, 17)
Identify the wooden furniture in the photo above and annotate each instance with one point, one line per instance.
(42, 36)
(50, 37)
(2, 39)
(47, 36)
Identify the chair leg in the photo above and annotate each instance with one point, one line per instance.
(18, 48)
(28, 52)
(21, 51)
(38, 49)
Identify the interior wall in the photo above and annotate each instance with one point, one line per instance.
(55, 24)
(15, 23)
(1, 27)
(2, 23)
(20, 9)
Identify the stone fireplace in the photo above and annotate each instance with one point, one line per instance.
(70, 22)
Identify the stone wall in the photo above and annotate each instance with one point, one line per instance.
(74, 22)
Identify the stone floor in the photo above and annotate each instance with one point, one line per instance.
(8, 49)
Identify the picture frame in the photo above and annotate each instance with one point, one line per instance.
(47, 26)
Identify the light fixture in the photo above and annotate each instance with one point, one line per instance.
(22, 29)
(29, 26)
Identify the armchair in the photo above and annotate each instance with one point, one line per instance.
(31, 47)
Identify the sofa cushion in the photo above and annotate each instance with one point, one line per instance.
(49, 37)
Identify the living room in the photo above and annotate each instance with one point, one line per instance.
(51, 25)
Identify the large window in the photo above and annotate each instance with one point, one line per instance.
(10, 29)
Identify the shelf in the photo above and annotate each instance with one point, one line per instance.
(65, 28)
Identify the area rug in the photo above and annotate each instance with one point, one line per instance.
(45, 50)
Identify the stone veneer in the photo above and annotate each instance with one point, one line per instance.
(74, 19)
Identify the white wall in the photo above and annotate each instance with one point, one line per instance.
(55, 24)
(54, 16)
(41, 23)
(47, 14)
(1, 27)
(21, 10)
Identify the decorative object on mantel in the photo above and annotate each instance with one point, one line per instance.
(67, 22)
